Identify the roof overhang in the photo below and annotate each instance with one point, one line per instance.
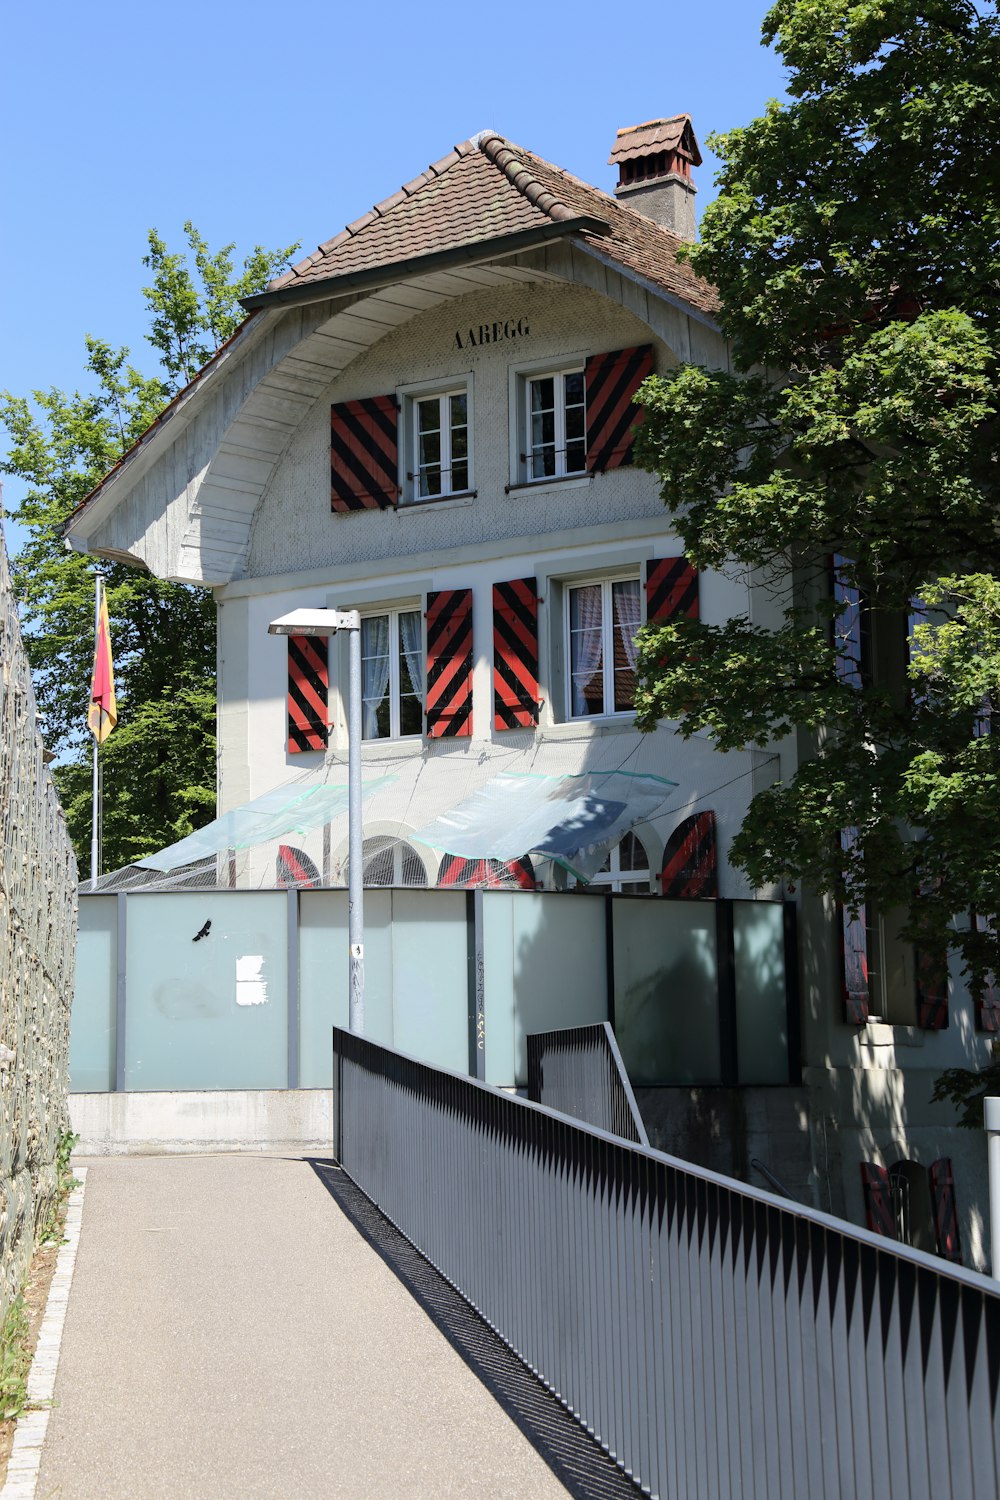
(299, 295)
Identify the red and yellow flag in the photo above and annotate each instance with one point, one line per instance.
(102, 715)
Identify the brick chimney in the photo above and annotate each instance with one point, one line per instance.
(654, 163)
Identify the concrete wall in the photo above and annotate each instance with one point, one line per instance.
(37, 944)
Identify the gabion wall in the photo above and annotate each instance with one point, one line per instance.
(38, 880)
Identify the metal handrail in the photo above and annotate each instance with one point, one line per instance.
(579, 1071)
(715, 1339)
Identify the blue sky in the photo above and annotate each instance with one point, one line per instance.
(281, 123)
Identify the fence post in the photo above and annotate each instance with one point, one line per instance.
(477, 984)
(292, 985)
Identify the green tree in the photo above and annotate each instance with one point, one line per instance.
(158, 765)
(855, 245)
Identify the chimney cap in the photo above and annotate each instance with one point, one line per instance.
(674, 134)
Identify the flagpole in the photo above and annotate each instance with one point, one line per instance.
(96, 790)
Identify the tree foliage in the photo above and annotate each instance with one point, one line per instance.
(855, 244)
(158, 765)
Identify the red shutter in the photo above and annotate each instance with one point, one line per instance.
(942, 1185)
(515, 654)
(931, 972)
(494, 874)
(308, 682)
(671, 590)
(854, 954)
(364, 448)
(295, 869)
(449, 664)
(988, 998)
(611, 382)
(690, 865)
(880, 1217)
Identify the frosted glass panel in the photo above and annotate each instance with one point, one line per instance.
(666, 990)
(430, 969)
(92, 1024)
(761, 1017)
(545, 969)
(211, 1013)
(323, 977)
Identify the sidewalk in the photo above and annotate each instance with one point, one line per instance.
(230, 1333)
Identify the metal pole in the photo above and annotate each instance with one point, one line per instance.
(355, 882)
(991, 1113)
(95, 790)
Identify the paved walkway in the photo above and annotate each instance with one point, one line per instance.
(230, 1333)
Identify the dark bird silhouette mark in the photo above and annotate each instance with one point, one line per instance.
(203, 933)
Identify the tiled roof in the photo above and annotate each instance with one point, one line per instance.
(654, 135)
(485, 189)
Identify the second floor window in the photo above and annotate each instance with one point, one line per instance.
(556, 424)
(602, 622)
(440, 446)
(392, 675)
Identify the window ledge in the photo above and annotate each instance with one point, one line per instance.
(588, 729)
(444, 502)
(886, 1034)
(561, 482)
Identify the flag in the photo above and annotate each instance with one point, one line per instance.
(102, 715)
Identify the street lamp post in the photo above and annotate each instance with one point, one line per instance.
(327, 622)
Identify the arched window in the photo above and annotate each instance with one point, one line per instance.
(625, 869)
(389, 861)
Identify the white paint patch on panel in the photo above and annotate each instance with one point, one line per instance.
(251, 986)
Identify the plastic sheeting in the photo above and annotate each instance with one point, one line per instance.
(572, 820)
(284, 810)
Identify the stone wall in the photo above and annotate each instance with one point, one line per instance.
(38, 880)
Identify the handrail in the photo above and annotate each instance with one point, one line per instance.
(715, 1338)
(579, 1071)
(776, 1183)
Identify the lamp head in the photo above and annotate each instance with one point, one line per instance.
(315, 622)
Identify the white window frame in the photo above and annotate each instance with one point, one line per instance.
(392, 689)
(559, 413)
(606, 584)
(409, 480)
(617, 880)
(520, 377)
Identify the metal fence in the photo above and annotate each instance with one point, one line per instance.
(579, 1071)
(716, 1340)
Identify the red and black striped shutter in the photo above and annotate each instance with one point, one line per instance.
(449, 664)
(988, 998)
(364, 454)
(942, 1186)
(880, 1216)
(295, 869)
(611, 381)
(690, 864)
(308, 683)
(515, 654)
(854, 953)
(494, 874)
(931, 974)
(671, 590)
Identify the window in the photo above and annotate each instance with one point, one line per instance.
(625, 869)
(555, 425)
(438, 448)
(392, 675)
(390, 861)
(601, 623)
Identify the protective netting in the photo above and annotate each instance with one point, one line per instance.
(468, 818)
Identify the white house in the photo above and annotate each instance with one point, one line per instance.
(429, 420)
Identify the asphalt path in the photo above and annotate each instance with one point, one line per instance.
(231, 1333)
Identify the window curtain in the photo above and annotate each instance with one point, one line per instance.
(628, 618)
(411, 638)
(374, 671)
(586, 637)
